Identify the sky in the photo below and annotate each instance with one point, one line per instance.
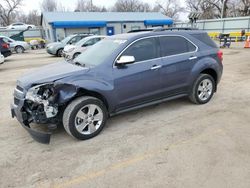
(70, 4)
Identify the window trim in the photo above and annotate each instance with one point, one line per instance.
(196, 47)
(157, 36)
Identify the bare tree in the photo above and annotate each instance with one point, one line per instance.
(88, 6)
(131, 6)
(8, 9)
(49, 5)
(209, 8)
(170, 8)
(33, 17)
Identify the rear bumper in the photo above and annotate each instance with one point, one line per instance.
(22, 117)
(6, 53)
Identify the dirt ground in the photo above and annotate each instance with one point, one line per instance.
(175, 144)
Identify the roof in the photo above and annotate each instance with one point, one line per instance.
(103, 16)
(126, 36)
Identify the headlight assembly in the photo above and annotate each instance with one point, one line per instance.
(40, 95)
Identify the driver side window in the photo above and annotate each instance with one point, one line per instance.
(143, 50)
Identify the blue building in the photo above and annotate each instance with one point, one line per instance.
(58, 25)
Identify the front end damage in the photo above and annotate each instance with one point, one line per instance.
(41, 104)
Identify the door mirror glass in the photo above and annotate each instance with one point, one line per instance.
(123, 60)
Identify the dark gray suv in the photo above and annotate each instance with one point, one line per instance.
(121, 73)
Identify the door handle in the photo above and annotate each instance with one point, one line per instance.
(156, 67)
(192, 57)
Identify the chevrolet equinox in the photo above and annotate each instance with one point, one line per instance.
(121, 73)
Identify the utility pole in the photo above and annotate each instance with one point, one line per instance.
(222, 10)
(91, 5)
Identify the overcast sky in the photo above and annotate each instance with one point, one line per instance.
(70, 4)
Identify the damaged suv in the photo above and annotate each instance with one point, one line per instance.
(120, 73)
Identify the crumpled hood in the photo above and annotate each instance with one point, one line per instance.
(50, 73)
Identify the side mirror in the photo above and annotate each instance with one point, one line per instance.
(123, 60)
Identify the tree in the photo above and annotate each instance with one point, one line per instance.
(131, 6)
(88, 6)
(8, 9)
(208, 8)
(49, 5)
(33, 17)
(170, 8)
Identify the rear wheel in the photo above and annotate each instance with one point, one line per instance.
(85, 117)
(19, 49)
(203, 89)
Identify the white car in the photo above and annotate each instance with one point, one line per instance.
(1, 58)
(70, 52)
(17, 46)
(21, 26)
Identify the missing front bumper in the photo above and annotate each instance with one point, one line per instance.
(41, 137)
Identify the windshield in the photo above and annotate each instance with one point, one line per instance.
(81, 42)
(65, 40)
(96, 54)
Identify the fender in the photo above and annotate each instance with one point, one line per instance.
(69, 89)
(203, 64)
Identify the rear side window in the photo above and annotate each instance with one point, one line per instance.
(143, 50)
(203, 37)
(173, 45)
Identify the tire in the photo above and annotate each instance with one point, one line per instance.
(75, 55)
(59, 52)
(77, 120)
(19, 49)
(202, 89)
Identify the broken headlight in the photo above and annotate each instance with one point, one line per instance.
(41, 95)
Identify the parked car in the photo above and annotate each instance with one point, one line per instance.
(4, 48)
(120, 73)
(1, 58)
(20, 26)
(17, 46)
(70, 52)
(56, 48)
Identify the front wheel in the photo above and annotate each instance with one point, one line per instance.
(59, 53)
(85, 117)
(203, 89)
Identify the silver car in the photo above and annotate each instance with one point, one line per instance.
(17, 46)
(70, 52)
(56, 48)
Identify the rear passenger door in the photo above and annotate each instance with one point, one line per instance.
(178, 56)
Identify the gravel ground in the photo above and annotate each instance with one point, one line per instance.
(175, 144)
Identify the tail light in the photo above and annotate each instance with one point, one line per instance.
(220, 55)
(5, 45)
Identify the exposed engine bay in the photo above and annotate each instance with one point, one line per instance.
(42, 102)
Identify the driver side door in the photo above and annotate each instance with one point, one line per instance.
(139, 82)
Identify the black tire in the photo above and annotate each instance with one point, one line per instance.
(194, 94)
(71, 111)
(59, 52)
(75, 55)
(19, 49)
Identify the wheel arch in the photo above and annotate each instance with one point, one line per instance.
(85, 92)
(212, 73)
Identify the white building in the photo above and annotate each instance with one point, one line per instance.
(58, 25)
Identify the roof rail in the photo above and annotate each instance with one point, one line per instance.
(157, 29)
